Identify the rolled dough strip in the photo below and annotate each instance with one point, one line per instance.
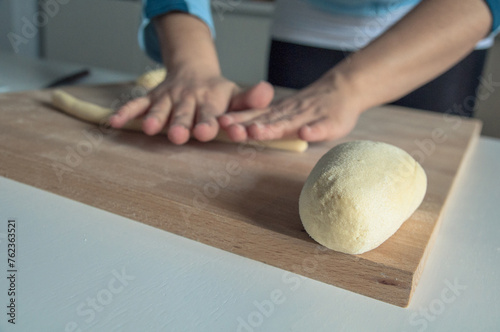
(152, 78)
(97, 114)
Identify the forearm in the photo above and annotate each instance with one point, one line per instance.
(186, 43)
(425, 43)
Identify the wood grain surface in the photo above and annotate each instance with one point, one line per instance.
(234, 197)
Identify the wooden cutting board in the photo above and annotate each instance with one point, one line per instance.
(234, 197)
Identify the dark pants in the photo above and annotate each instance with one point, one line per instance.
(296, 66)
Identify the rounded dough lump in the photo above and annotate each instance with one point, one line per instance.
(359, 194)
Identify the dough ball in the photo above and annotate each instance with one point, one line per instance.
(359, 194)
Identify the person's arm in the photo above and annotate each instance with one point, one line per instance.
(434, 36)
(194, 92)
(428, 41)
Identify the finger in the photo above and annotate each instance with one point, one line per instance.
(157, 116)
(279, 112)
(206, 125)
(258, 96)
(181, 121)
(326, 130)
(254, 100)
(129, 111)
(267, 132)
(237, 133)
(278, 124)
(229, 119)
(313, 133)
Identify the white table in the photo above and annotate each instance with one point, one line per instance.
(84, 269)
(18, 73)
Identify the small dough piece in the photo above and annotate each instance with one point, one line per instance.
(99, 115)
(152, 78)
(359, 194)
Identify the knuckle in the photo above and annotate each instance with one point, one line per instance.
(129, 107)
(156, 111)
(209, 111)
(273, 133)
(183, 108)
(211, 96)
(157, 93)
(181, 113)
(176, 91)
(188, 92)
(303, 104)
(181, 120)
(132, 104)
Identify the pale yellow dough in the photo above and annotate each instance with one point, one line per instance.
(152, 78)
(359, 194)
(99, 115)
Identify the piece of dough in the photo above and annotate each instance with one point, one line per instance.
(97, 114)
(359, 194)
(152, 78)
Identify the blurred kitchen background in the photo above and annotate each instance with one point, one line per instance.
(101, 35)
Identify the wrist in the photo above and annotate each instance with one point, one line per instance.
(193, 70)
(186, 44)
(347, 92)
(365, 83)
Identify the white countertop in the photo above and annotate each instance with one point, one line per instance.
(80, 267)
(18, 73)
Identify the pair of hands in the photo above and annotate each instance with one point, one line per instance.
(195, 104)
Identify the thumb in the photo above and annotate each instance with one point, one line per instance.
(258, 96)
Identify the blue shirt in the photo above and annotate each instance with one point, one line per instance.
(201, 9)
(148, 38)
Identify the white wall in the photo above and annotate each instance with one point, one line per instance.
(98, 33)
(243, 40)
(18, 27)
(104, 33)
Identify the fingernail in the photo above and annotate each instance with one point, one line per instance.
(200, 124)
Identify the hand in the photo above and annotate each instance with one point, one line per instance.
(194, 92)
(322, 111)
(188, 102)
